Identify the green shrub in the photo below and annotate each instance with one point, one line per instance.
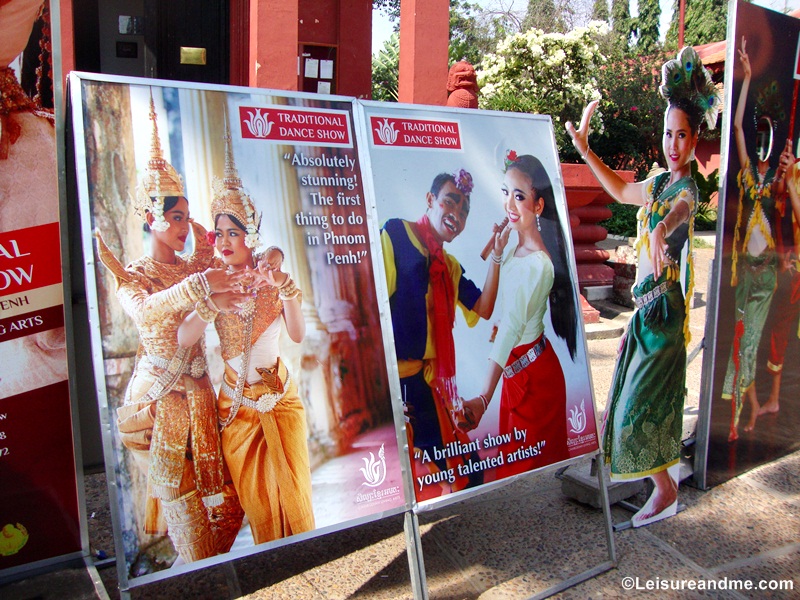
(622, 221)
(706, 215)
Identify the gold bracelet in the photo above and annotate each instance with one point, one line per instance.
(290, 296)
(289, 290)
(205, 284)
(196, 286)
(205, 312)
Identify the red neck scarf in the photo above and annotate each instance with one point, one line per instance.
(443, 318)
(444, 308)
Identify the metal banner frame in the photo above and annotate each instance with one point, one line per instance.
(371, 502)
(404, 172)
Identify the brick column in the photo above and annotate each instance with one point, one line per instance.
(424, 38)
(274, 44)
(355, 48)
(588, 204)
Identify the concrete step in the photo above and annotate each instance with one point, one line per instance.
(592, 293)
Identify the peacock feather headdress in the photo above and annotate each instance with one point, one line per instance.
(686, 77)
(769, 102)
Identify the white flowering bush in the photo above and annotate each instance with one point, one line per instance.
(546, 73)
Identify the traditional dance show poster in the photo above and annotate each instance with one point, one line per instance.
(441, 179)
(309, 445)
(39, 515)
(754, 398)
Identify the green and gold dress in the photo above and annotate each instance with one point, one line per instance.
(755, 277)
(643, 421)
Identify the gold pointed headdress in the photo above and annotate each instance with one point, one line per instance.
(160, 180)
(230, 197)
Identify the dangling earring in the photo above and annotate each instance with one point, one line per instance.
(538, 223)
(691, 158)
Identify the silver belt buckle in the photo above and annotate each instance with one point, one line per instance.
(524, 360)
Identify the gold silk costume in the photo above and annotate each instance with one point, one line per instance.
(169, 420)
(264, 434)
(265, 444)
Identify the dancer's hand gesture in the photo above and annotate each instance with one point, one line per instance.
(580, 137)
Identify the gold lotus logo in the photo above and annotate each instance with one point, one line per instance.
(386, 132)
(258, 124)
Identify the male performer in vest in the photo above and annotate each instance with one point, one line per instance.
(425, 285)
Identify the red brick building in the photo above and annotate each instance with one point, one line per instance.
(309, 45)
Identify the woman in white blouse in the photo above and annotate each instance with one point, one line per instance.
(533, 394)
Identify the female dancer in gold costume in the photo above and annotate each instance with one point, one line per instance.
(264, 437)
(169, 419)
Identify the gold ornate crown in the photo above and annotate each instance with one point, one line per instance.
(160, 180)
(231, 199)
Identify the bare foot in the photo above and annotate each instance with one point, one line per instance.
(733, 435)
(755, 408)
(751, 424)
(771, 407)
(660, 501)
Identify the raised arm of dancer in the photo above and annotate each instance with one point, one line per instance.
(293, 317)
(785, 162)
(792, 179)
(617, 188)
(269, 273)
(738, 118)
(194, 325)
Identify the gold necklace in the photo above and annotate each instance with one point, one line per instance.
(247, 312)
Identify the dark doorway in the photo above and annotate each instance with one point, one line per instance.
(318, 69)
(187, 40)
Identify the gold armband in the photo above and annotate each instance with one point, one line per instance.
(205, 312)
(289, 290)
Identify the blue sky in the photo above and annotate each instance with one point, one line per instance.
(382, 28)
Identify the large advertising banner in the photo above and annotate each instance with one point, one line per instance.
(506, 389)
(754, 398)
(239, 344)
(39, 514)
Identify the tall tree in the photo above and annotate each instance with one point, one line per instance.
(621, 21)
(705, 22)
(647, 26)
(600, 11)
(473, 33)
(391, 8)
(546, 15)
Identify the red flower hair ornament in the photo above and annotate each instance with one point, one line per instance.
(510, 159)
